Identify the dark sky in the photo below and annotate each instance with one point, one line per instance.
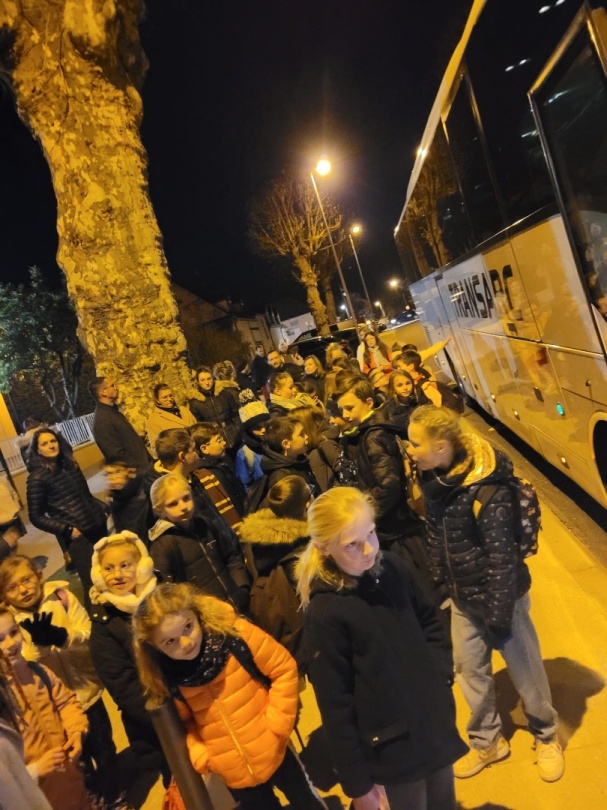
(236, 93)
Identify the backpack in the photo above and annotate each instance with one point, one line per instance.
(276, 609)
(527, 515)
(451, 397)
(255, 494)
(346, 472)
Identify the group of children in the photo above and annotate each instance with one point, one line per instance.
(224, 584)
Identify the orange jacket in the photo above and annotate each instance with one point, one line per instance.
(236, 727)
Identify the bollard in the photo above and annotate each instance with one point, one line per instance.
(171, 733)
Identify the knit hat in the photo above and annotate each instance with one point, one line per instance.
(252, 411)
(145, 579)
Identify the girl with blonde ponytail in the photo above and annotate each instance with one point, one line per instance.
(379, 660)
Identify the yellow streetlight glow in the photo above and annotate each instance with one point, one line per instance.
(356, 229)
(377, 304)
(394, 282)
(323, 166)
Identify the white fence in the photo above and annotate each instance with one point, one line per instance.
(77, 431)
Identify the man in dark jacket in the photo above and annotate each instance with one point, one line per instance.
(278, 363)
(211, 407)
(114, 434)
(260, 368)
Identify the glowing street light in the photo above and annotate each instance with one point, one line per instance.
(356, 229)
(324, 167)
(381, 308)
(397, 284)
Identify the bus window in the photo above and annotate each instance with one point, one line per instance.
(471, 167)
(436, 215)
(572, 105)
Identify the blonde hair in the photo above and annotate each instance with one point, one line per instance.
(443, 423)
(329, 516)
(162, 485)
(8, 568)
(213, 614)
(123, 541)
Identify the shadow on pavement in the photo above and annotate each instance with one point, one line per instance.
(571, 684)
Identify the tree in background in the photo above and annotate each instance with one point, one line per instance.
(76, 69)
(325, 268)
(285, 223)
(38, 343)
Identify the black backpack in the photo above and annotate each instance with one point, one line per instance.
(256, 494)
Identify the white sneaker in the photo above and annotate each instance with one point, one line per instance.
(550, 761)
(477, 759)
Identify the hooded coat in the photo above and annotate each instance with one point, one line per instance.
(206, 553)
(476, 558)
(380, 663)
(277, 466)
(18, 790)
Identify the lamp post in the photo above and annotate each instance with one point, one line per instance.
(396, 283)
(381, 308)
(324, 167)
(355, 230)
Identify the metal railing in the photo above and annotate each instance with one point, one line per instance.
(77, 431)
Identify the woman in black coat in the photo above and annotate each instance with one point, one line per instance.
(60, 502)
(380, 663)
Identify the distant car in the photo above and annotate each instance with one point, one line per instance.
(404, 317)
(312, 343)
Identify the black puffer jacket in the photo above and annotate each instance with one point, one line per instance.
(277, 466)
(476, 558)
(58, 499)
(206, 554)
(380, 664)
(374, 450)
(221, 408)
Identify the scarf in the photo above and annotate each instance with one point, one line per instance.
(174, 410)
(128, 602)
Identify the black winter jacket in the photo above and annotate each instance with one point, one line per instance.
(380, 663)
(223, 470)
(117, 438)
(207, 554)
(58, 499)
(221, 408)
(374, 450)
(277, 466)
(476, 558)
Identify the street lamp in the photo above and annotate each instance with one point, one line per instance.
(324, 167)
(381, 308)
(356, 229)
(396, 283)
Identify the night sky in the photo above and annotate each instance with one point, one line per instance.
(237, 93)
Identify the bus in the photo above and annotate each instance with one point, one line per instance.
(503, 236)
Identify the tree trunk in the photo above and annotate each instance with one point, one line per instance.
(307, 277)
(76, 68)
(329, 301)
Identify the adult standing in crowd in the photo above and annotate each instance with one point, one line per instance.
(278, 363)
(213, 406)
(60, 502)
(260, 368)
(166, 413)
(116, 437)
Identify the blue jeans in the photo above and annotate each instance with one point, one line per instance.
(472, 650)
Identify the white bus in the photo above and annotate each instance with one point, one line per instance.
(505, 225)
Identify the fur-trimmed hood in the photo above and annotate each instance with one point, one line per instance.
(265, 528)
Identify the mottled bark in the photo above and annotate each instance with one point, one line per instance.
(76, 67)
(317, 308)
(329, 300)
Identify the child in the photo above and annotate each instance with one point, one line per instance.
(375, 355)
(216, 473)
(275, 537)
(401, 400)
(253, 415)
(284, 452)
(379, 661)
(56, 631)
(123, 574)
(380, 381)
(473, 550)
(187, 547)
(11, 525)
(51, 721)
(129, 504)
(234, 687)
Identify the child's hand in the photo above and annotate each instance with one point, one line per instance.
(53, 760)
(43, 632)
(73, 746)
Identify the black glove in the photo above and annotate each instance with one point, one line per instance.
(241, 598)
(499, 635)
(44, 633)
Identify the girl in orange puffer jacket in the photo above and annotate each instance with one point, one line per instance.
(235, 688)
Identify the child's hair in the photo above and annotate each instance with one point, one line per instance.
(341, 363)
(8, 568)
(318, 366)
(161, 487)
(332, 352)
(443, 423)
(170, 443)
(224, 370)
(359, 386)
(121, 465)
(329, 516)
(213, 614)
(409, 347)
(289, 496)
(376, 375)
(278, 430)
(393, 377)
(161, 386)
(411, 357)
(117, 540)
(203, 432)
(277, 380)
(384, 351)
(312, 420)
